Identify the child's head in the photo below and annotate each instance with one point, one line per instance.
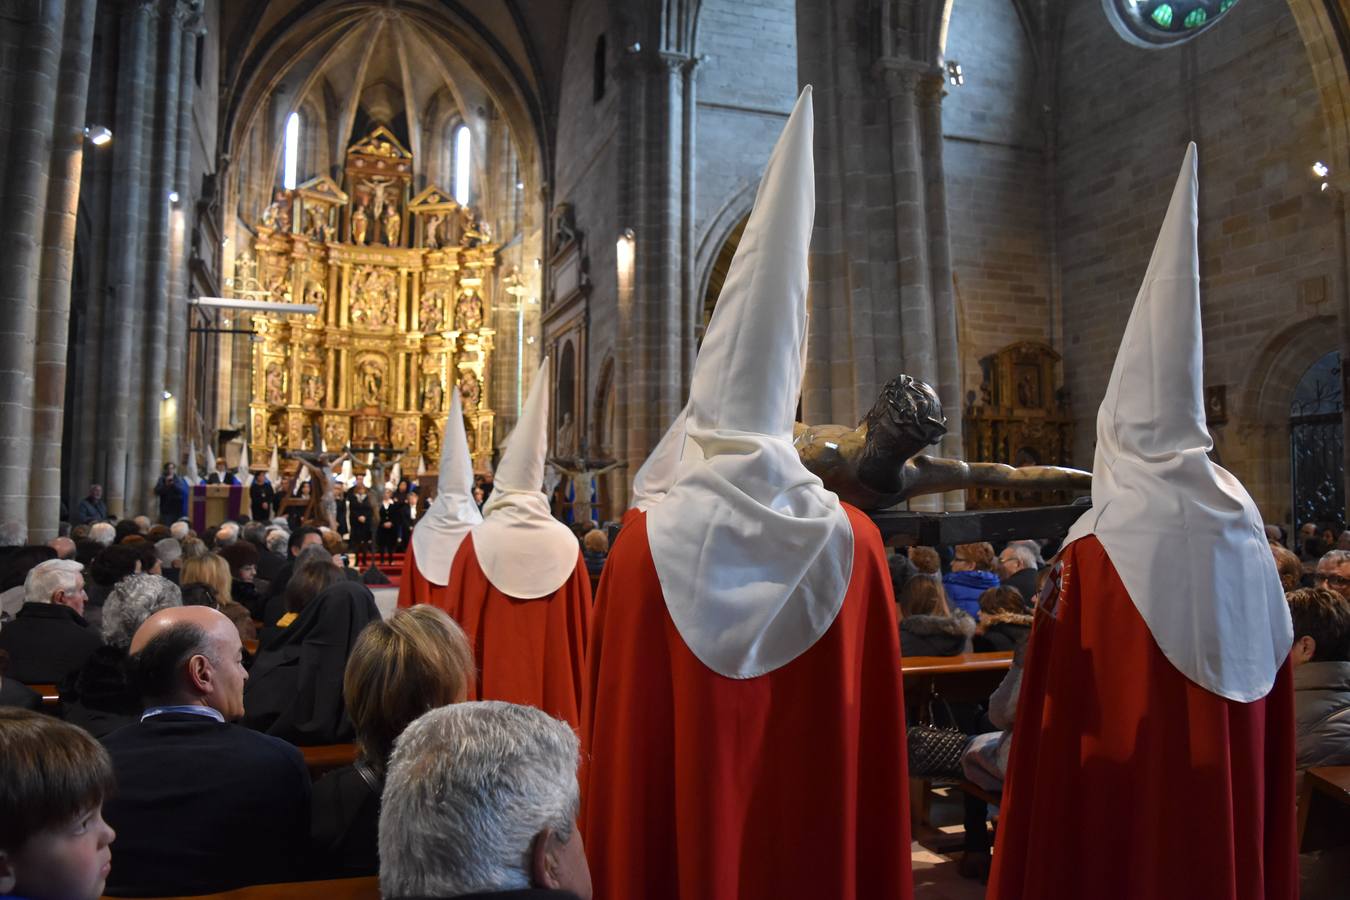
(54, 844)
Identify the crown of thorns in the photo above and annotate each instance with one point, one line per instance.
(908, 402)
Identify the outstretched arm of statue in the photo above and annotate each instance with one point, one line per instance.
(936, 474)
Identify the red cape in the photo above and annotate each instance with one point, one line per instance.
(1128, 780)
(528, 651)
(413, 587)
(702, 787)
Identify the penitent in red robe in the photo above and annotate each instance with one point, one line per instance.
(414, 588)
(703, 787)
(531, 652)
(1126, 779)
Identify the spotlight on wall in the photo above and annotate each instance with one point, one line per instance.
(173, 197)
(1320, 169)
(520, 185)
(98, 134)
(955, 75)
(635, 47)
(167, 395)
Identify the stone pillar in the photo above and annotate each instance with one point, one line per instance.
(932, 88)
(175, 360)
(118, 407)
(164, 168)
(23, 194)
(58, 250)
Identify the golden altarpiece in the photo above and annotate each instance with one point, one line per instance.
(403, 286)
(1021, 418)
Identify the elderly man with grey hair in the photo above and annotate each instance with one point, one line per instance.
(49, 638)
(179, 530)
(481, 802)
(1017, 568)
(102, 533)
(227, 534)
(1333, 572)
(170, 555)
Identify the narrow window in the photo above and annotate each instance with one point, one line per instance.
(292, 157)
(462, 151)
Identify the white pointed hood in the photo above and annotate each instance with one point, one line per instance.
(441, 530)
(210, 460)
(192, 475)
(753, 553)
(242, 473)
(657, 474)
(274, 468)
(1183, 534)
(522, 549)
(346, 477)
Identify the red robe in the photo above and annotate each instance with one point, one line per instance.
(528, 651)
(413, 587)
(1126, 779)
(702, 787)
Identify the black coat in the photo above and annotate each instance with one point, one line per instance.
(214, 478)
(1025, 582)
(263, 500)
(361, 532)
(269, 564)
(936, 635)
(1003, 631)
(100, 697)
(12, 693)
(173, 494)
(203, 806)
(295, 686)
(344, 825)
(47, 643)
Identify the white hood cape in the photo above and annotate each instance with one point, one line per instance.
(439, 533)
(522, 549)
(1182, 533)
(754, 555)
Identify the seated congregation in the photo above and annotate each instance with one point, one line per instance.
(726, 718)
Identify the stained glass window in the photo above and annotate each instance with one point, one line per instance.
(1160, 23)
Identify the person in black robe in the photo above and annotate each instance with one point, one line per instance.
(294, 690)
(172, 491)
(262, 498)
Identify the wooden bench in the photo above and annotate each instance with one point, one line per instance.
(1324, 809)
(51, 697)
(367, 888)
(967, 677)
(326, 757)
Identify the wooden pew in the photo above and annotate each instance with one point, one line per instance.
(1324, 808)
(327, 757)
(967, 677)
(51, 697)
(367, 888)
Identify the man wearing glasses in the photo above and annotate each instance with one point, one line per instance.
(1333, 572)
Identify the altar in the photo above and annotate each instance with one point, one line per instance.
(211, 504)
(405, 287)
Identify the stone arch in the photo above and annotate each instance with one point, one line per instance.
(724, 224)
(1258, 451)
(1325, 28)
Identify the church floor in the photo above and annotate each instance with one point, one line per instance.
(936, 853)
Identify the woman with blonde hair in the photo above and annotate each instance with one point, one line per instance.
(212, 570)
(417, 661)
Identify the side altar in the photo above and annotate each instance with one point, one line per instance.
(404, 286)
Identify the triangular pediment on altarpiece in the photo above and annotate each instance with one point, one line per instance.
(432, 199)
(322, 189)
(382, 143)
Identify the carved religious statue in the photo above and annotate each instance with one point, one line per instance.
(581, 474)
(429, 315)
(879, 463)
(360, 224)
(373, 296)
(277, 216)
(372, 383)
(316, 294)
(275, 390)
(433, 232)
(393, 224)
(468, 388)
(567, 434)
(432, 394)
(311, 390)
(469, 312)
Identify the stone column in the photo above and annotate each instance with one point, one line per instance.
(163, 170)
(23, 193)
(175, 361)
(58, 239)
(932, 88)
(117, 406)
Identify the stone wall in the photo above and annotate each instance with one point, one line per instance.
(994, 154)
(1244, 92)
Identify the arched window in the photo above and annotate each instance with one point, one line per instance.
(1160, 23)
(463, 151)
(1316, 444)
(291, 157)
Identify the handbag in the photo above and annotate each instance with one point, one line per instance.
(934, 751)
